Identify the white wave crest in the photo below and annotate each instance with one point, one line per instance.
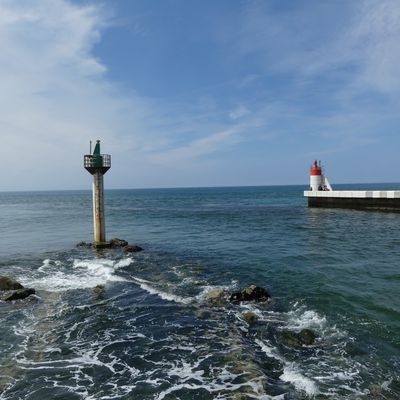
(202, 296)
(125, 262)
(290, 373)
(301, 319)
(299, 381)
(269, 350)
(145, 285)
(84, 274)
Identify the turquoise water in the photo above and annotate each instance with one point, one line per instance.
(150, 334)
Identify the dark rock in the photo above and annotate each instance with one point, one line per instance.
(305, 337)
(84, 244)
(289, 339)
(7, 283)
(375, 391)
(115, 243)
(250, 317)
(355, 350)
(98, 289)
(132, 248)
(251, 293)
(19, 294)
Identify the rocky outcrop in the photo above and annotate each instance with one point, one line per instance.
(112, 244)
(117, 243)
(375, 391)
(19, 294)
(305, 337)
(250, 317)
(132, 248)
(10, 289)
(85, 244)
(7, 283)
(99, 289)
(217, 297)
(251, 293)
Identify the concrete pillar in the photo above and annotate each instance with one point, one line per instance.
(98, 164)
(99, 227)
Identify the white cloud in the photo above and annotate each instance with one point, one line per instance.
(238, 112)
(358, 40)
(375, 40)
(198, 147)
(55, 97)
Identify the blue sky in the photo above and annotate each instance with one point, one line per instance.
(199, 93)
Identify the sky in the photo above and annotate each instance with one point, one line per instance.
(188, 93)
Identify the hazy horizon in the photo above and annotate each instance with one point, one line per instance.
(305, 186)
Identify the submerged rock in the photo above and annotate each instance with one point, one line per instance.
(251, 293)
(132, 248)
(305, 337)
(7, 283)
(250, 317)
(115, 243)
(99, 289)
(84, 244)
(18, 294)
(217, 296)
(375, 391)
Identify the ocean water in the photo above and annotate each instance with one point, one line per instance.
(151, 334)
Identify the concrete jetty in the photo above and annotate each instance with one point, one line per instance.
(321, 194)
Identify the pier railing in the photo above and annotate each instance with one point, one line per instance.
(97, 162)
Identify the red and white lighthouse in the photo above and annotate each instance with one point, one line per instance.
(316, 177)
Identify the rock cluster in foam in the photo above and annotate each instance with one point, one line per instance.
(113, 244)
(11, 290)
(251, 293)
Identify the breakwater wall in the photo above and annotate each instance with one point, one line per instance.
(374, 200)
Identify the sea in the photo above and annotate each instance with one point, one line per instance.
(105, 324)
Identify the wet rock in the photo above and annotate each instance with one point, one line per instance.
(289, 339)
(305, 337)
(98, 289)
(247, 371)
(375, 391)
(18, 294)
(115, 243)
(84, 244)
(217, 297)
(251, 293)
(203, 314)
(7, 283)
(198, 269)
(355, 350)
(250, 317)
(132, 248)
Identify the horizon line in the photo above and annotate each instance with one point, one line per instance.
(187, 187)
